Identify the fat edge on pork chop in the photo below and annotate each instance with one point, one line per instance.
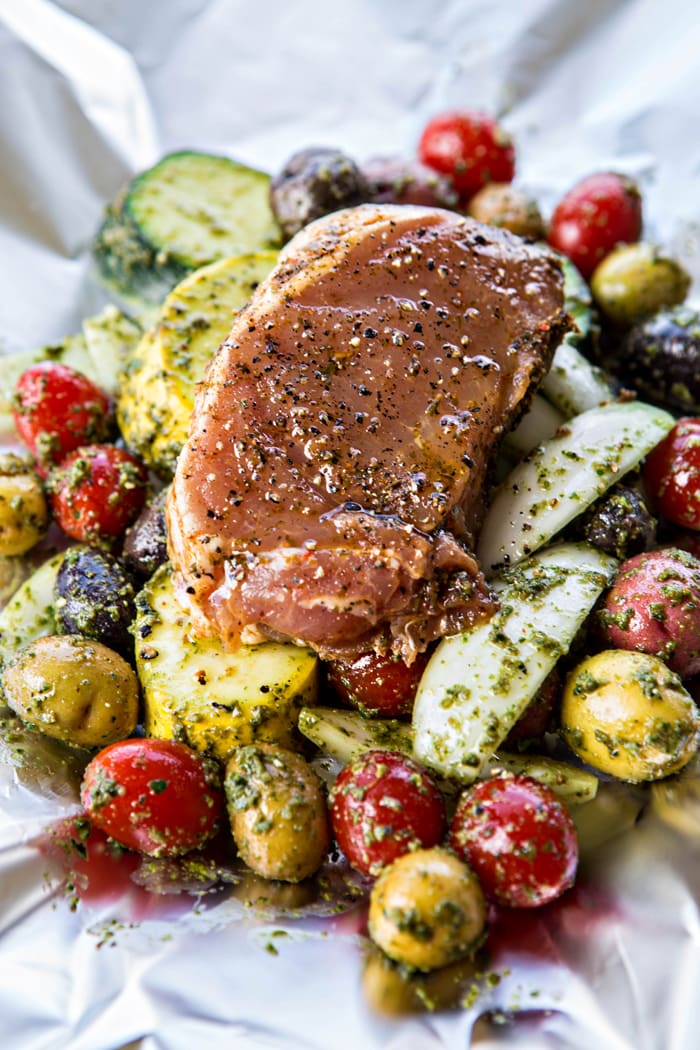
(334, 476)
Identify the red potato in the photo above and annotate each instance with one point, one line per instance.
(393, 180)
(687, 541)
(654, 607)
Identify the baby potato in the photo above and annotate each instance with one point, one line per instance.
(394, 990)
(427, 909)
(627, 714)
(636, 280)
(653, 606)
(278, 813)
(24, 514)
(73, 689)
(501, 204)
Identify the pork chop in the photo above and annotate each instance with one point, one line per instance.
(333, 479)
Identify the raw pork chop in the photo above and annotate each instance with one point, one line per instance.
(334, 474)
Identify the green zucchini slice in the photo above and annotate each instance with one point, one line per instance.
(477, 684)
(30, 613)
(188, 210)
(560, 478)
(344, 735)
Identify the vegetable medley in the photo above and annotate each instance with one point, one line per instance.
(452, 785)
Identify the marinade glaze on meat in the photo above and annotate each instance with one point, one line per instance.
(335, 470)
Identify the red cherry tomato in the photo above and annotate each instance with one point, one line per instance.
(518, 838)
(383, 805)
(380, 686)
(672, 474)
(155, 796)
(57, 410)
(97, 492)
(470, 147)
(599, 212)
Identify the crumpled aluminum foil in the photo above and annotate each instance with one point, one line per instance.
(92, 91)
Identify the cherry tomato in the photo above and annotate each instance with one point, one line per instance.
(57, 409)
(97, 492)
(672, 474)
(155, 796)
(377, 685)
(97, 867)
(518, 838)
(470, 147)
(598, 213)
(383, 804)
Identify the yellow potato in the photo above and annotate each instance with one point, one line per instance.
(278, 813)
(24, 514)
(501, 204)
(636, 280)
(393, 990)
(73, 689)
(427, 909)
(625, 713)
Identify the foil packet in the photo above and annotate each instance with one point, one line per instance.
(105, 953)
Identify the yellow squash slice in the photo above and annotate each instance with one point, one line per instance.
(161, 375)
(211, 699)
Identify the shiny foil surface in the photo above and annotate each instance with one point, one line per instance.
(162, 956)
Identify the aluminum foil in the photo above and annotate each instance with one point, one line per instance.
(160, 957)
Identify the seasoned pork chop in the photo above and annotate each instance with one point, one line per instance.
(334, 474)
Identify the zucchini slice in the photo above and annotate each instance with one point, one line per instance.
(188, 210)
(564, 475)
(13, 572)
(109, 338)
(540, 422)
(477, 684)
(30, 612)
(573, 384)
(214, 700)
(346, 734)
(161, 374)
